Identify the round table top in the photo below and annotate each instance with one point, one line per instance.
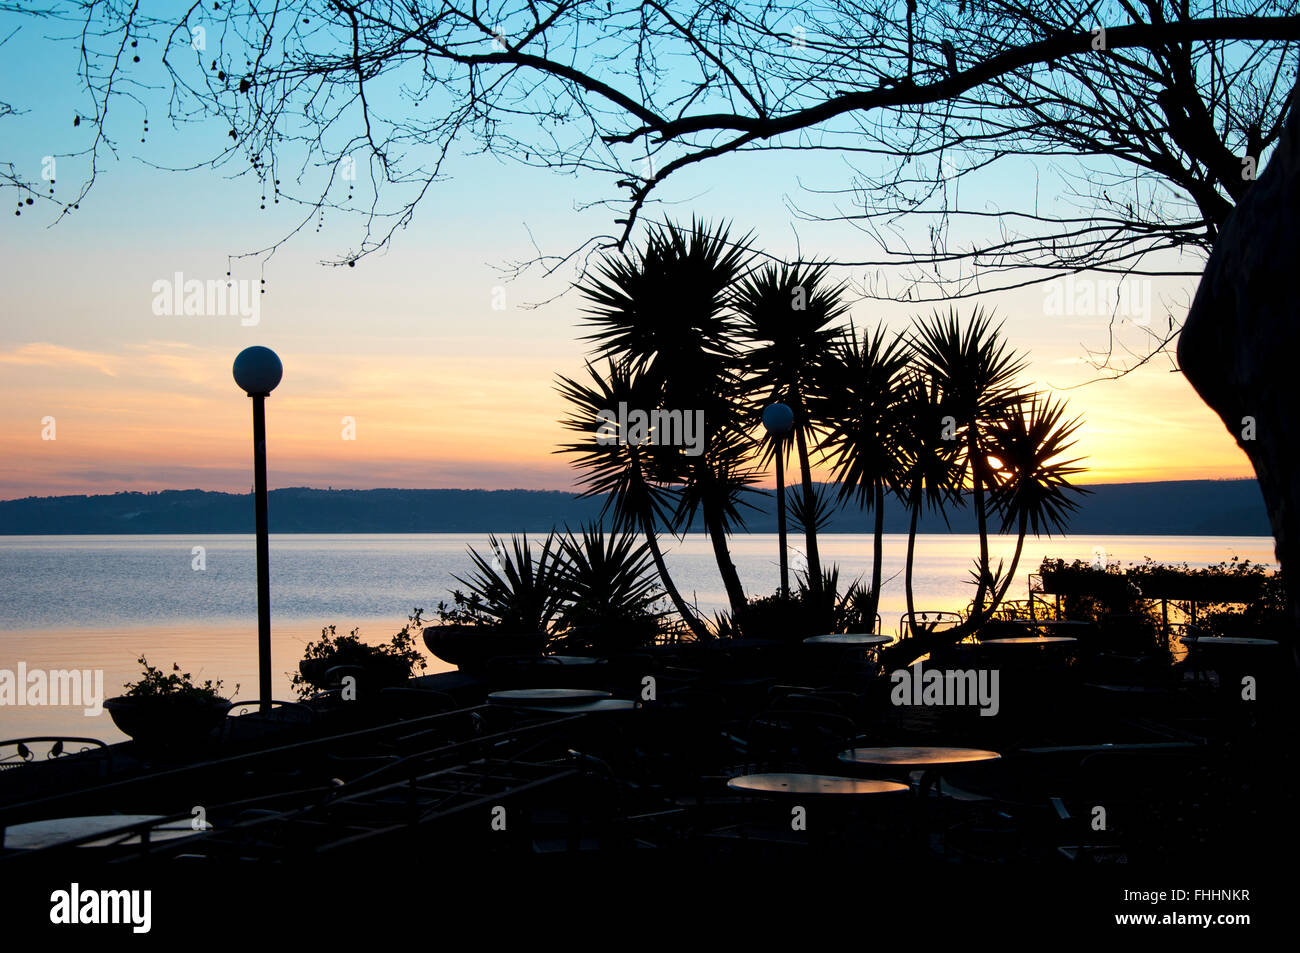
(1226, 640)
(812, 784)
(59, 830)
(925, 756)
(1030, 640)
(600, 704)
(547, 696)
(572, 659)
(849, 638)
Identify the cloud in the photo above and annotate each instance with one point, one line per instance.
(44, 354)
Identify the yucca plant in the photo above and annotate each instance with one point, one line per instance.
(788, 316)
(632, 477)
(858, 410)
(609, 592)
(513, 589)
(929, 460)
(664, 309)
(1031, 482)
(975, 369)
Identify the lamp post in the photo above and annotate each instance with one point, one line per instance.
(257, 370)
(779, 421)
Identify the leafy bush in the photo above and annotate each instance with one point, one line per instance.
(804, 612)
(350, 650)
(175, 684)
(1133, 590)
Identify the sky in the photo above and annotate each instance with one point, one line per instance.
(423, 366)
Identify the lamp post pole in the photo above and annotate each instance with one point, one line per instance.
(778, 419)
(780, 516)
(257, 371)
(265, 691)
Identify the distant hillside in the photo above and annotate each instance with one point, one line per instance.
(1188, 507)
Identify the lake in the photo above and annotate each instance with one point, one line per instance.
(98, 602)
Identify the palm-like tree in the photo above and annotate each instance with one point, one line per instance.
(929, 460)
(665, 310)
(857, 408)
(631, 477)
(787, 316)
(1032, 482)
(975, 370)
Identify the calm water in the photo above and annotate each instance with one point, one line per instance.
(100, 601)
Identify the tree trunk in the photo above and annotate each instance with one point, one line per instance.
(878, 549)
(911, 550)
(730, 578)
(810, 508)
(670, 587)
(981, 518)
(1011, 571)
(1240, 343)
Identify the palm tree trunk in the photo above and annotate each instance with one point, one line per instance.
(911, 551)
(981, 518)
(670, 587)
(1011, 572)
(878, 548)
(810, 509)
(730, 578)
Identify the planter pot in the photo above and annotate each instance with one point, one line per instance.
(375, 673)
(470, 647)
(166, 720)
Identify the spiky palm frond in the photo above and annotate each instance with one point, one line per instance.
(631, 477)
(857, 409)
(1032, 482)
(823, 508)
(516, 590)
(971, 362)
(930, 458)
(787, 319)
(665, 306)
(608, 580)
(829, 610)
(719, 479)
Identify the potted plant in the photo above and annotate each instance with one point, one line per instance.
(512, 599)
(326, 661)
(168, 709)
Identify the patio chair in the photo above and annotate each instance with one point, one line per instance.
(924, 623)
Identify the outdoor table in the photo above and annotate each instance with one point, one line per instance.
(778, 785)
(546, 697)
(1030, 640)
(1230, 640)
(573, 660)
(925, 756)
(850, 639)
(599, 705)
(48, 833)
(928, 758)
(1232, 664)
